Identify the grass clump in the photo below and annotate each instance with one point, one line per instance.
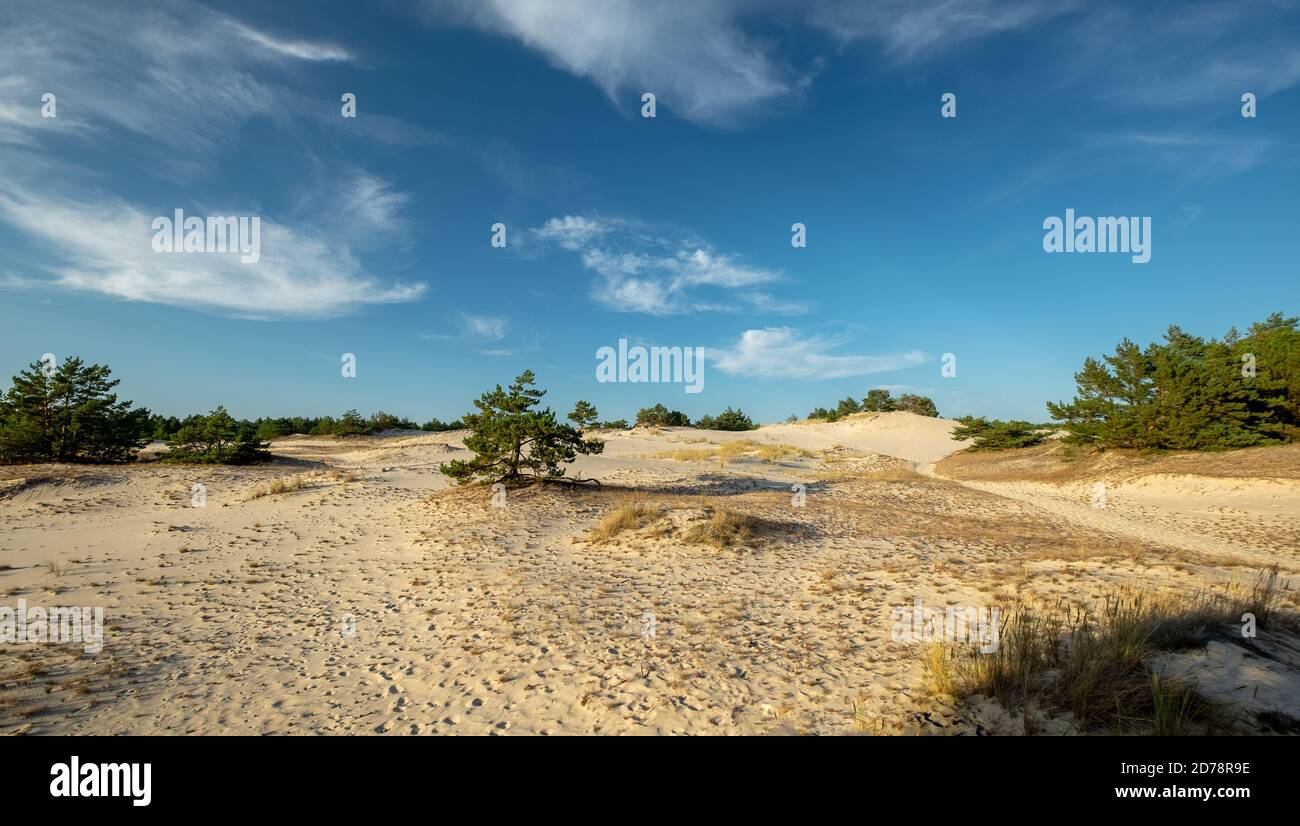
(731, 451)
(298, 481)
(1094, 663)
(723, 529)
(628, 516)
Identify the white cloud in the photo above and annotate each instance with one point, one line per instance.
(173, 72)
(106, 247)
(573, 232)
(371, 204)
(1197, 154)
(699, 59)
(643, 270)
(484, 328)
(476, 328)
(911, 30)
(783, 353)
(710, 62)
(693, 55)
(300, 49)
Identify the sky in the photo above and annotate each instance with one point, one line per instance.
(924, 233)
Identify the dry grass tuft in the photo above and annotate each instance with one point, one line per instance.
(724, 529)
(731, 451)
(288, 484)
(1092, 663)
(629, 516)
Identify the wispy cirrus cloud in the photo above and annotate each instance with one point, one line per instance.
(910, 30)
(106, 246)
(705, 62)
(372, 203)
(474, 328)
(1205, 52)
(170, 72)
(694, 55)
(785, 353)
(299, 49)
(720, 62)
(659, 272)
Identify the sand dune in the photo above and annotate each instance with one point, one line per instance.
(376, 598)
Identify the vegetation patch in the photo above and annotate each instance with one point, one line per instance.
(1094, 663)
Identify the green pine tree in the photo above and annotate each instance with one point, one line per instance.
(512, 440)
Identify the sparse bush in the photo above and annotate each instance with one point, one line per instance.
(998, 435)
(1095, 663)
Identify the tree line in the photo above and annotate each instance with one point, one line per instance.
(878, 400)
(660, 416)
(1182, 393)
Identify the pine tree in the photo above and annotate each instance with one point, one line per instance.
(584, 415)
(878, 401)
(69, 415)
(920, 405)
(512, 440)
(1190, 394)
(351, 424)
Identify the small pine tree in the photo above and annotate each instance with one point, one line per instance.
(351, 423)
(512, 440)
(920, 405)
(660, 416)
(998, 435)
(878, 401)
(584, 415)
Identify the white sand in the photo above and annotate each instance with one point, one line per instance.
(395, 603)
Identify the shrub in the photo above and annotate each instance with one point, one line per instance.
(920, 405)
(998, 435)
(436, 425)
(216, 438)
(727, 420)
(660, 416)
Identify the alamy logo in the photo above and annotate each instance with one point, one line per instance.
(233, 234)
(974, 625)
(677, 365)
(1131, 235)
(53, 625)
(74, 779)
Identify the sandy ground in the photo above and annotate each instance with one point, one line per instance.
(378, 598)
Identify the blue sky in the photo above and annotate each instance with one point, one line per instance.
(924, 234)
